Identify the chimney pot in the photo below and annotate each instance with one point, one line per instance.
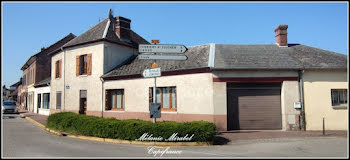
(281, 35)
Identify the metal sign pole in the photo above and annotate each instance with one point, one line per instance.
(154, 91)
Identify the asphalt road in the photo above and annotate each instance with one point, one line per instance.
(24, 139)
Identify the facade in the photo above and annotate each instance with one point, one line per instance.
(35, 70)
(42, 97)
(248, 87)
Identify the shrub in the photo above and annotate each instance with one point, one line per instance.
(130, 129)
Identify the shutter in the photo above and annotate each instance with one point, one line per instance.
(77, 65)
(56, 69)
(89, 64)
(107, 104)
(59, 68)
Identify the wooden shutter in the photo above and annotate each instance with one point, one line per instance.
(77, 65)
(59, 68)
(56, 69)
(89, 64)
(108, 103)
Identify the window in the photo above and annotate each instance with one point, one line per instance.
(115, 99)
(339, 97)
(58, 100)
(39, 100)
(83, 64)
(46, 100)
(58, 69)
(166, 96)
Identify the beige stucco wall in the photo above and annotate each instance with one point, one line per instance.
(194, 92)
(289, 95)
(116, 54)
(318, 104)
(91, 83)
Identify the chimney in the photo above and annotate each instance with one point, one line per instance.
(122, 28)
(281, 35)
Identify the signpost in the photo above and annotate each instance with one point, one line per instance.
(161, 57)
(148, 73)
(155, 110)
(162, 48)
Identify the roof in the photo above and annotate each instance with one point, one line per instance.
(197, 58)
(97, 33)
(48, 50)
(44, 82)
(17, 83)
(241, 57)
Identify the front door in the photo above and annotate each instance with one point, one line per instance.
(82, 106)
(83, 102)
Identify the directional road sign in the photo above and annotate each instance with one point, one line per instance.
(161, 48)
(162, 57)
(148, 73)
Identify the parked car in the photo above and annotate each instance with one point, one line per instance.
(9, 107)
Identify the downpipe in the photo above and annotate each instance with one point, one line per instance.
(302, 121)
(102, 81)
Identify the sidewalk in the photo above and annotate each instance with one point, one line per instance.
(36, 117)
(225, 137)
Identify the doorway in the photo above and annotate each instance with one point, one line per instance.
(83, 102)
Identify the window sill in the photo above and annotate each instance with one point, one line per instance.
(58, 78)
(340, 107)
(83, 75)
(114, 111)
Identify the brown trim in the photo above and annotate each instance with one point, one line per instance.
(166, 73)
(256, 79)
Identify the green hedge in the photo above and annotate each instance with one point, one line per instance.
(130, 129)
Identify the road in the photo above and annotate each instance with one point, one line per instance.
(22, 138)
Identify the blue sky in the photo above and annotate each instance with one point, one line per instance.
(29, 26)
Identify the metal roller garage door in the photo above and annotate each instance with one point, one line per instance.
(254, 106)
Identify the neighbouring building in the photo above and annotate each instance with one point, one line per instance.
(36, 70)
(14, 90)
(248, 87)
(5, 92)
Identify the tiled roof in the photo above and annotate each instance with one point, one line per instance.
(263, 57)
(96, 33)
(57, 45)
(44, 82)
(197, 58)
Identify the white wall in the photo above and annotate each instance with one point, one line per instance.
(41, 90)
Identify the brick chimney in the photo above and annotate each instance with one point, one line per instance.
(281, 35)
(122, 28)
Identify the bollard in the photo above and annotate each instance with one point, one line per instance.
(323, 126)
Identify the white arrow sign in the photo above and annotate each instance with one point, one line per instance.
(161, 57)
(161, 48)
(148, 73)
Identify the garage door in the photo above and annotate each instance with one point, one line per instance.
(254, 106)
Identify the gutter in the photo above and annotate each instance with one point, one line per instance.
(102, 97)
(302, 121)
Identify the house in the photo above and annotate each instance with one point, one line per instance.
(77, 68)
(14, 90)
(35, 70)
(278, 86)
(5, 92)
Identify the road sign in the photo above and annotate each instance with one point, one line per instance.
(155, 111)
(148, 73)
(161, 48)
(162, 57)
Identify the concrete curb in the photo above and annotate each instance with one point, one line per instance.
(118, 141)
